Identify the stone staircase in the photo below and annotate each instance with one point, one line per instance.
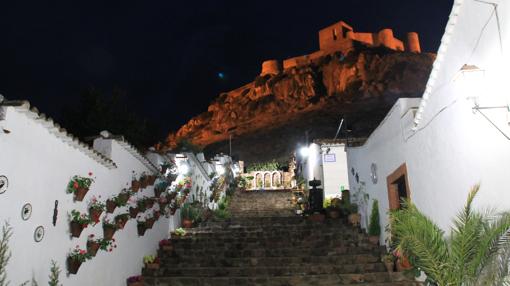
(265, 244)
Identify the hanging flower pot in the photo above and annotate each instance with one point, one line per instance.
(121, 220)
(403, 264)
(150, 203)
(73, 265)
(110, 206)
(124, 197)
(108, 232)
(166, 245)
(80, 194)
(144, 182)
(141, 228)
(151, 179)
(95, 214)
(157, 192)
(150, 222)
(133, 212)
(92, 247)
(76, 229)
(135, 185)
(156, 215)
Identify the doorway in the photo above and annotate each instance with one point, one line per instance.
(398, 187)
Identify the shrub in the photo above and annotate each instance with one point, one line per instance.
(374, 228)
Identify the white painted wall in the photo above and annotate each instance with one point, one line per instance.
(39, 166)
(335, 174)
(453, 147)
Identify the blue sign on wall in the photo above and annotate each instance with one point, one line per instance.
(329, 158)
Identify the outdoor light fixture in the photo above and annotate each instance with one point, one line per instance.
(304, 151)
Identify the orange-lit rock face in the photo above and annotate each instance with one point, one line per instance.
(276, 109)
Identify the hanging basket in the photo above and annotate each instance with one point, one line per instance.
(108, 232)
(76, 229)
(141, 229)
(73, 265)
(110, 206)
(133, 212)
(95, 214)
(92, 247)
(135, 186)
(80, 194)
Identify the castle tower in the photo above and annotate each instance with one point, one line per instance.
(413, 43)
(271, 67)
(385, 38)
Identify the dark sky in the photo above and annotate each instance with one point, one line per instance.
(167, 55)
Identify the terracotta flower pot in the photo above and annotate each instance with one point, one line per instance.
(76, 229)
(110, 206)
(133, 212)
(108, 232)
(92, 247)
(157, 192)
(151, 180)
(121, 222)
(141, 229)
(186, 223)
(144, 182)
(80, 194)
(389, 265)
(403, 264)
(163, 169)
(123, 197)
(150, 203)
(73, 265)
(374, 239)
(135, 185)
(95, 214)
(150, 222)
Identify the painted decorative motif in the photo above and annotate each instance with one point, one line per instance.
(26, 211)
(373, 173)
(4, 184)
(39, 233)
(55, 213)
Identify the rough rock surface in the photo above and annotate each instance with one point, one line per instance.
(270, 115)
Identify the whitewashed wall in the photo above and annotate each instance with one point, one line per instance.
(453, 147)
(39, 166)
(335, 174)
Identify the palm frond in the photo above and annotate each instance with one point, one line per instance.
(5, 254)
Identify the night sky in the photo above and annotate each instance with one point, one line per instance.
(172, 58)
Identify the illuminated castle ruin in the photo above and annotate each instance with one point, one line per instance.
(340, 37)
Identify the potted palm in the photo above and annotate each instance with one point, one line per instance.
(374, 228)
(79, 186)
(76, 258)
(79, 221)
(472, 253)
(109, 228)
(96, 208)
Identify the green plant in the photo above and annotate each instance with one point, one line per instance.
(80, 218)
(5, 254)
(148, 259)
(327, 203)
(54, 274)
(265, 166)
(79, 182)
(96, 204)
(180, 231)
(189, 212)
(476, 252)
(374, 228)
(80, 255)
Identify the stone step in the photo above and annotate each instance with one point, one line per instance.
(293, 280)
(304, 269)
(216, 261)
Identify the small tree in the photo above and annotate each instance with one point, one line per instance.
(55, 272)
(374, 228)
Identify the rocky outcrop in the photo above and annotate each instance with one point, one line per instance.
(360, 86)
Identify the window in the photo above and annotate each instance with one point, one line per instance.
(398, 187)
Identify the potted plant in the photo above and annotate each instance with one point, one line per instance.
(96, 208)
(374, 228)
(121, 220)
(123, 197)
(179, 232)
(166, 245)
(188, 215)
(151, 179)
(79, 221)
(160, 188)
(79, 186)
(163, 202)
(389, 261)
(142, 204)
(93, 245)
(109, 228)
(156, 215)
(133, 207)
(149, 202)
(135, 184)
(144, 182)
(149, 220)
(141, 225)
(135, 281)
(151, 262)
(354, 217)
(110, 205)
(76, 258)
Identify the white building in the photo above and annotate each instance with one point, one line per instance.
(434, 149)
(326, 160)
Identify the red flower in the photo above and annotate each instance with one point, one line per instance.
(110, 250)
(90, 173)
(75, 185)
